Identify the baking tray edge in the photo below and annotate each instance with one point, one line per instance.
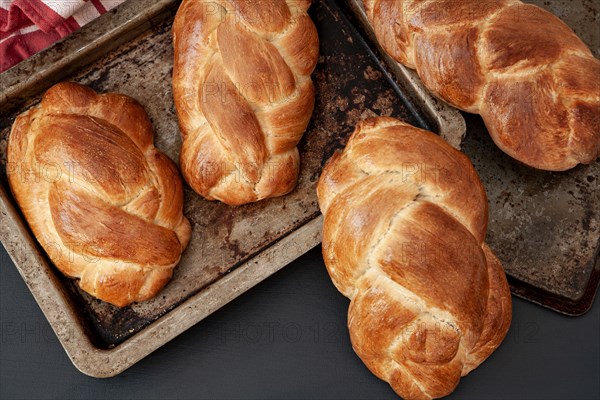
(95, 39)
(101, 363)
(450, 122)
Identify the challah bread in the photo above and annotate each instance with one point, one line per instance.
(102, 201)
(243, 94)
(405, 217)
(534, 82)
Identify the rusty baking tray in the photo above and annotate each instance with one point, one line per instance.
(129, 50)
(544, 227)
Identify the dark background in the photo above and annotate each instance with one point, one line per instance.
(287, 338)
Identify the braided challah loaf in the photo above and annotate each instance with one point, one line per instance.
(403, 238)
(102, 201)
(534, 82)
(243, 95)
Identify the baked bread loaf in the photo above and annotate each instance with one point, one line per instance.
(403, 238)
(534, 82)
(243, 94)
(103, 202)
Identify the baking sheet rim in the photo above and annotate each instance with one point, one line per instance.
(101, 363)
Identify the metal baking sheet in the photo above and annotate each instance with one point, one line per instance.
(544, 227)
(129, 51)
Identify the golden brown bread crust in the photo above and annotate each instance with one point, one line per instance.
(243, 93)
(534, 82)
(102, 201)
(403, 238)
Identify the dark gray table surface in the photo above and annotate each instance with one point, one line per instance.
(287, 338)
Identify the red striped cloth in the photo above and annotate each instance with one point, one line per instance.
(28, 26)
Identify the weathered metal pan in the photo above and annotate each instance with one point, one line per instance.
(129, 50)
(545, 227)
